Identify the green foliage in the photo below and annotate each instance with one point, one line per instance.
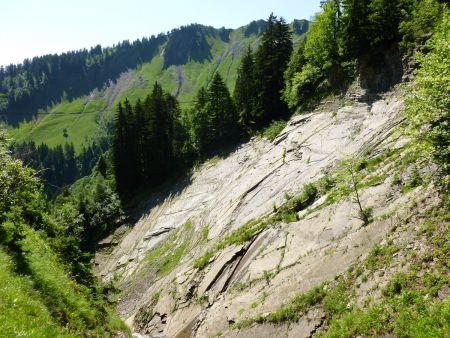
(245, 90)
(214, 118)
(22, 311)
(302, 85)
(414, 181)
(380, 256)
(347, 33)
(202, 261)
(88, 210)
(321, 49)
(325, 184)
(319, 55)
(420, 22)
(288, 211)
(289, 312)
(357, 322)
(366, 214)
(300, 303)
(396, 285)
(337, 299)
(297, 61)
(372, 24)
(409, 306)
(428, 106)
(271, 61)
(205, 233)
(274, 129)
(239, 236)
(167, 254)
(38, 246)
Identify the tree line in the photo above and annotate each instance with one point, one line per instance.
(59, 166)
(42, 81)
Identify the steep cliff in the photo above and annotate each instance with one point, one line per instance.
(224, 250)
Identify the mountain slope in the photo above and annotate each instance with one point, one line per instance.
(218, 252)
(183, 62)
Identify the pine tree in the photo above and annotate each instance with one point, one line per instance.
(372, 24)
(200, 122)
(214, 118)
(245, 90)
(221, 112)
(271, 61)
(356, 27)
(118, 147)
(70, 170)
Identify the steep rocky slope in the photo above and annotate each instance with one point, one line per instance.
(220, 251)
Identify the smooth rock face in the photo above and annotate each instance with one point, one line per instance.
(223, 196)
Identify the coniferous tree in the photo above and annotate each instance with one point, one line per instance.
(120, 154)
(127, 146)
(200, 122)
(215, 121)
(271, 61)
(149, 141)
(372, 24)
(71, 171)
(222, 112)
(245, 91)
(356, 26)
(163, 129)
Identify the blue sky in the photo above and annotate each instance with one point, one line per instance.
(35, 27)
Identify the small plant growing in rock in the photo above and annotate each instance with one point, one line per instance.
(366, 215)
(268, 275)
(202, 299)
(325, 184)
(350, 174)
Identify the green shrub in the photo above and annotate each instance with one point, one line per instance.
(274, 129)
(299, 304)
(202, 261)
(420, 22)
(427, 107)
(366, 215)
(336, 300)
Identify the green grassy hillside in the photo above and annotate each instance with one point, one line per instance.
(85, 118)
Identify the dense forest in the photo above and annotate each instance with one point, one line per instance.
(46, 247)
(40, 82)
(60, 166)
